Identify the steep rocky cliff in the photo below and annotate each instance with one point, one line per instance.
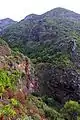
(11, 61)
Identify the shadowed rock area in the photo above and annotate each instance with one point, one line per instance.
(60, 83)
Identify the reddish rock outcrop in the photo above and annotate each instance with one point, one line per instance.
(4, 50)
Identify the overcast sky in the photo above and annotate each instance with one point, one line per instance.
(18, 9)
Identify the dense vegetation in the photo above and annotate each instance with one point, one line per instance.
(14, 105)
(47, 38)
(52, 42)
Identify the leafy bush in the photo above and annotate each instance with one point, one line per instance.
(4, 79)
(51, 102)
(51, 113)
(9, 79)
(14, 102)
(1, 90)
(14, 76)
(26, 118)
(36, 117)
(71, 110)
(2, 42)
(8, 111)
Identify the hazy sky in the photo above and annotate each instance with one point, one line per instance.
(18, 9)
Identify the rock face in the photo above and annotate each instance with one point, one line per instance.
(17, 61)
(4, 50)
(60, 83)
(31, 82)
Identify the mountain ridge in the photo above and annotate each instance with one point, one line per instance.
(57, 12)
(57, 9)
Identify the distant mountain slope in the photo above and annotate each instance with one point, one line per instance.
(32, 26)
(62, 13)
(56, 13)
(5, 23)
(54, 29)
(32, 16)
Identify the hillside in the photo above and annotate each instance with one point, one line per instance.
(16, 100)
(52, 43)
(53, 38)
(55, 29)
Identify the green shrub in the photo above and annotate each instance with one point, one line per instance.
(26, 118)
(14, 76)
(71, 110)
(37, 101)
(9, 79)
(2, 42)
(7, 110)
(36, 117)
(15, 103)
(4, 79)
(51, 113)
(1, 90)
